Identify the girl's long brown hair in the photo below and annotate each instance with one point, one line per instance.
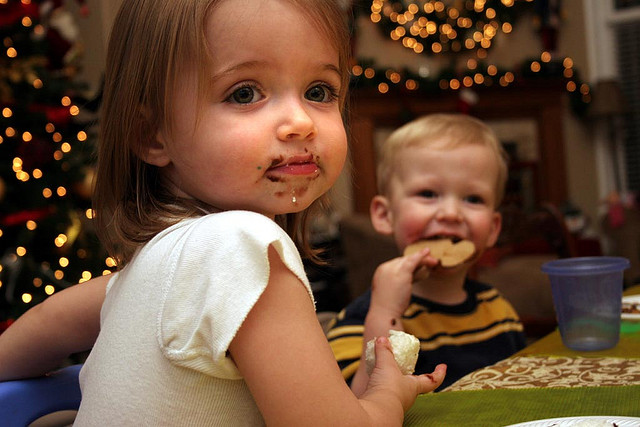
(153, 42)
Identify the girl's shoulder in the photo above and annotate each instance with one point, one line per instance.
(243, 224)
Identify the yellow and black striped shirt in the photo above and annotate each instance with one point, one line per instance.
(476, 333)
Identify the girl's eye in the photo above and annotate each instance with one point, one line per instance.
(321, 93)
(244, 95)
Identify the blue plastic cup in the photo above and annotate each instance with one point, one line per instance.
(587, 296)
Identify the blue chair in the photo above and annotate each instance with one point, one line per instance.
(24, 401)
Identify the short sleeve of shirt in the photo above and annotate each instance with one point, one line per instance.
(218, 270)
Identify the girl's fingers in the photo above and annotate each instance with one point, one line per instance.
(429, 382)
(384, 354)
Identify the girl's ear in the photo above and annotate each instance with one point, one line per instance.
(152, 149)
(381, 216)
(155, 152)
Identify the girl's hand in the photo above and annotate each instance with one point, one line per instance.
(387, 380)
(392, 280)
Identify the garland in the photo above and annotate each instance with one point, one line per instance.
(366, 74)
(463, 30)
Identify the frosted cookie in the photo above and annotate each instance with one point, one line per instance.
(405, 349)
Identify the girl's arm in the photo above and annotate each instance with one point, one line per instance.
(65, 323)
(288, 365)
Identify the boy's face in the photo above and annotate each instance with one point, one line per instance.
(270, 136)
(437, 193)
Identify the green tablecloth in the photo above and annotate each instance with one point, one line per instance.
(503, 407)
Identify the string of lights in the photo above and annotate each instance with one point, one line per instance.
(463, 31)
(47, 240)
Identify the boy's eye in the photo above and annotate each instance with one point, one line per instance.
(321, 93)
(244, 95)
(476, 200)
(428, 194)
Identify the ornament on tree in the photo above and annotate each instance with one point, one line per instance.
(548, 17)
(62, 34)
(467, 99)
(50, 5)
(84, 188)
(3, 189)
(35, 153)
(74, 229)
(11, 13)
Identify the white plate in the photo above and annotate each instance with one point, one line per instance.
(631, 299)
(571, 421)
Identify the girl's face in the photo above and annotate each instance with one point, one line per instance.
(444, 193)
(269, 137)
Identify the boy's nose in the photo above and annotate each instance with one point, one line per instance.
(449, 210)
(296, 123)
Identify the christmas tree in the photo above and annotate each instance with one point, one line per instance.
(47, 139)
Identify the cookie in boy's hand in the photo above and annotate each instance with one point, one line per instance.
(448, 253)
(405, 349)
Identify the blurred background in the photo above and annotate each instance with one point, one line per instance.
(558, 80)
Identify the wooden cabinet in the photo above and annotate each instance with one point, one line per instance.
(544, 103)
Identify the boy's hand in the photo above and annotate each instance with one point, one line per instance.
(391, 284)
(387, 378)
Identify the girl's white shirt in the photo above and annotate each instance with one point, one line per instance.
(168, 320)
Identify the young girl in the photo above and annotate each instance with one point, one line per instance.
(221, 125)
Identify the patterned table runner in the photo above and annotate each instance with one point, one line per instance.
(552, 371)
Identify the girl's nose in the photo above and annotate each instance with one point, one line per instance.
(296, 123)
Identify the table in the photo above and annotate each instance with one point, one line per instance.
(544, 380)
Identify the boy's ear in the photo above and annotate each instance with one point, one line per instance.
(381, 216)
(496, 227)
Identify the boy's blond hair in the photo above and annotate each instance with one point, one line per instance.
(445, 131)
(153, 44)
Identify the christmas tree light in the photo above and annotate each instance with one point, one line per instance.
(47, 241)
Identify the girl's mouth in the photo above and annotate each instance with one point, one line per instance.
(297, 165)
